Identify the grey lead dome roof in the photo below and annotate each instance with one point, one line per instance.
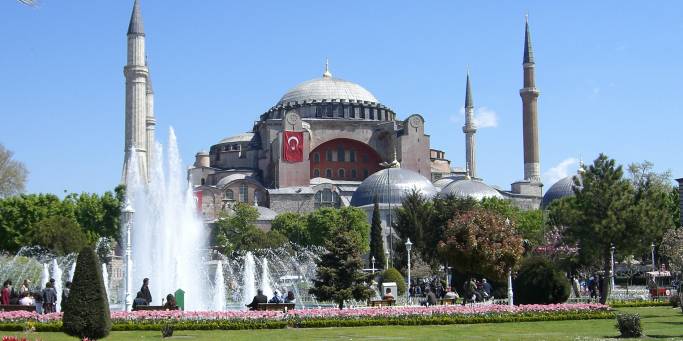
(562, 188)
(474, 189)
(327, 88)
(400, 183)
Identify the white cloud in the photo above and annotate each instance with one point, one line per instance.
(483, 118)
(559, 171)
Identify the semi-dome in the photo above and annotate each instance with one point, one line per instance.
(470, 188)
(562, 188)
(397, 181)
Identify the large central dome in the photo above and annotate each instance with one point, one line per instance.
(327, 88)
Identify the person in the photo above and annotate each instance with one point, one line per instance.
(486, 286)
(593, 287)
(65, 293)
(430, 297)
(170, 303)
(27, 299)
(388, 295)
(6, 290)
(290, 297)
(259, 298)
(49, 298)
(139, 300)
(576, 286)
(24, 288)
(276, 298)
(145, 291)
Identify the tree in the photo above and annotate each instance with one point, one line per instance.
(672, 248)
(86, 312)
(294, 226)
(62, 235)
(481, 242)
(610, 210)
(340, 275)
(529, 223)
(540, 282)
(325, 223)
(393, 275)
(376, 242)
(12, 174)
(238, 232)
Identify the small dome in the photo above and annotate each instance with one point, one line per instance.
(244, 137)
(474, 189)
(400, 182)
(562, 188)
(445, 181)
(327, 88)
(230, 178)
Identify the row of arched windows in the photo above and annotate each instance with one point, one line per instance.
(340, 173)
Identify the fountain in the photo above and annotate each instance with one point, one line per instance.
(266, 286)
(105, 279)
(45, 277)
(248, 279)
(57, 275)
(168, 239)
(219, 288)
(72, 271)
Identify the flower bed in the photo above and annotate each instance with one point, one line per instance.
(316, 318)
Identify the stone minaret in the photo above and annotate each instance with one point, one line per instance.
(532, 164)
(136, 75)
(151, 123)
(469, 129)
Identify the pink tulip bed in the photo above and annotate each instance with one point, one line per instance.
(317, 318)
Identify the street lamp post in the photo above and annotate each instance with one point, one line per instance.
(386, 259)
(409, 246)
(511, 294)
(127, 214)
(373, 264)
(611, 271)
(652, 247)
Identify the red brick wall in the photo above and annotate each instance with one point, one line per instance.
(366, 160)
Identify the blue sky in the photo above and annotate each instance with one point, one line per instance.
(609, 73)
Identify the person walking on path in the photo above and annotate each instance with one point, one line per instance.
(49, 298)
(145, 291)
(6, 290)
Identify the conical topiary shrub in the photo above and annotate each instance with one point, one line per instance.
(86, 313)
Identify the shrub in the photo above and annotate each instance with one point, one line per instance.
(392, 275)
(540, 282)
(167, 330)
(86, 312)
(629, 325)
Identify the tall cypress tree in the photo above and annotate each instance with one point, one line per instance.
(86, 313)
(376, 243)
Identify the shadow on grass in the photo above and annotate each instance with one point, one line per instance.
(664, 336)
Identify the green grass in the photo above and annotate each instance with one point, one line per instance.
(658, 322)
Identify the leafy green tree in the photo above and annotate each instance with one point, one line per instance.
(86, 312)
(540, 282)
(529, 223)
(413, 220)
(376, 242)
(340, 275)
(325, 223)
(13, 174)
(672, 248)
(481, 242)
(62, 235)
(294, 226)
(238, 231)
(393, 275)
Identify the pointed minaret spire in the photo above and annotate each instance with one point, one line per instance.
(136, 26)
(470, 129)
(529, 94)
(327, 73)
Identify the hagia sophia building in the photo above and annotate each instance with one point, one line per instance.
(329, 142)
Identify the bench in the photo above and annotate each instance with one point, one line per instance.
(447, 301)
(381, 303)
(274, 306)
(17, 307)
(149, 307)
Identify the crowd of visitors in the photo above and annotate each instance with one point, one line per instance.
(260, 298)
(44, 300)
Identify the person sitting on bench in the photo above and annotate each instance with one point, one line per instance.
(259, 298)
(388, 296)
(139, 300)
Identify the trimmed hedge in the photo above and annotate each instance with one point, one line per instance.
(540, 282)
(393, 275)
(635, 304)
(327, 322)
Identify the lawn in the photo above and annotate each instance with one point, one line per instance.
(658, 322)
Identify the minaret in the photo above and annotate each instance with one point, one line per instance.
(529, 94)
(136, 74)
(151, 123)
(469, 129)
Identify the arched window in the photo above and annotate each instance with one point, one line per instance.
(353, 173)
(229, 194)
(328, 173)
(328, 155)
(316, 173)
(340, 154)
(352, 155)
(203, 181)
(244, 193)
(341, 173)
(316, 157)
(327, 198)
(365, 173)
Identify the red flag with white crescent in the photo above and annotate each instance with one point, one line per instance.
(293, 146)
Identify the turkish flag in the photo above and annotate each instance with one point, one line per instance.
(293, 146)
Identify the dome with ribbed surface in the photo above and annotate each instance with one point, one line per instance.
(328, 89)
(469, 188)
(563, 188)
(445, 181)
(391, 185)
